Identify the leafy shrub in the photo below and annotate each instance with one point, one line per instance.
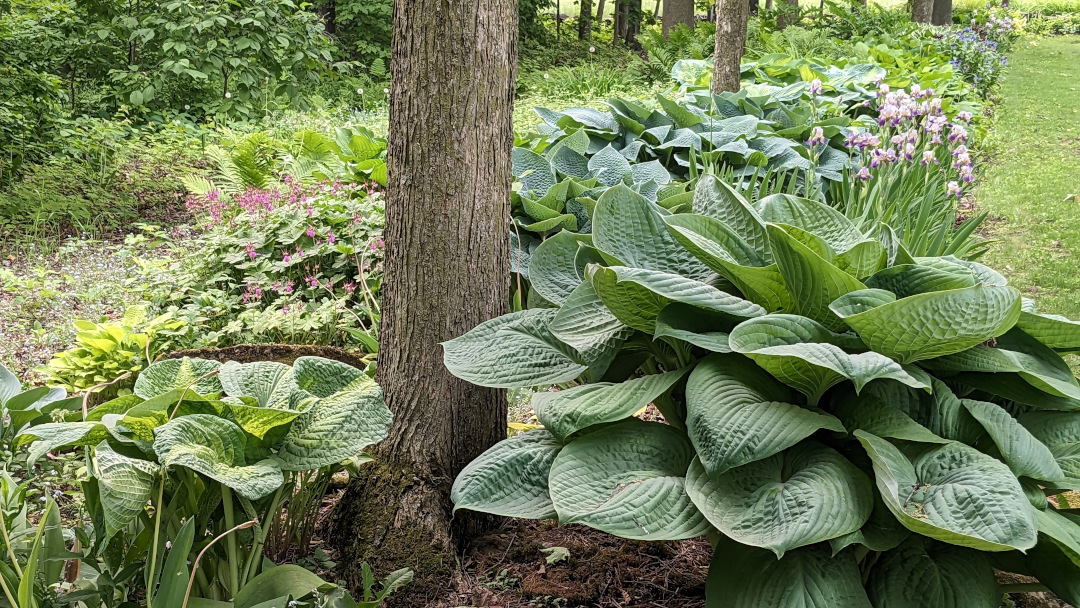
(976, 58)
(586, 81)
(845, 420)
(211, 446)
(1053, 25)
(662, 52)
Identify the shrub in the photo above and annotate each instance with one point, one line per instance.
(843, 419)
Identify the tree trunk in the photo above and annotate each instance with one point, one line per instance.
(446, 270)
(790, 16)
(584, 23)
(755, 7)
(600, 13)
(633, 18)
(731, 16)
(676, 12)
(922, 10)
(619, 24)
(942, 12)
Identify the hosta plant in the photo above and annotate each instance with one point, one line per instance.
(850, 425)
(217, 450)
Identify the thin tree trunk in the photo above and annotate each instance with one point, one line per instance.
(619, 25)
(942, 12)
(731, 16)
(447, 246)
(600, 13)
(633, 19)
(656, 9)
(922, 10)
(676, 12)
(584, 31)
(790, 15)
(768, 5)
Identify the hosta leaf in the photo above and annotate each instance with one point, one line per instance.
(532, 170)
(637, 295)
(510, 478)
(1054, 331)
(881, 532)
(929, 325)
(554, 269)
(590, 328)
(878, 416)
(811, 216)
(324, 377)
(125, 486)
(261, 380)
(1052, 566)
(1060, 432)
(1025, 455)
(630, 228)
(806, 355)
(609, 166)
(1063, 530)
(215, 447)
(953, 493)
(736, 413)
(263, 422)
(569, 411)
(745, 577)
(334, 429)
(50, 436)
(716, 199)
(805, 495)
(813, 281)
(907, 280)
(627, 480)
(686, 323)
(940, 411)
(514, 350)
(922, 573)
(171, 374)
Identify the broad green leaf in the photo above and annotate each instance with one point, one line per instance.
(1053, 568)
(811, 216)
(10, 385)
(53, 435)
(716, 199)
(940, 411)
(554, 269)
(566, 412)
(215, 447)
(953, 493)
(511, 478)
(637, 295)
(805, 355)
(1063, 529)
(609, 166)
(922, 573)
(172, 374)
(532, 170)
(1025, 455)
(1054, 331)
(814, 282)
(334, 429)
(323, 377)
(263, 422)
(125, 485)
(876, 415)
(584, 324)
(929, 325)
(907, 280)
(267, 381)
(880, 533)
(1060, 432)
(736, 413)
(683, 322)
(511, 351)
(627, 480)
(279, 581)
(746, 577)
(804, 495)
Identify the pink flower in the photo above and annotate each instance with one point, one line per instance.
(815, 87)
(817, 137)
(330, 237)
(310, 232)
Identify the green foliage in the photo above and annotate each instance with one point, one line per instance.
(32, 555)
(19, 408)
(843, 418)
(364, 27)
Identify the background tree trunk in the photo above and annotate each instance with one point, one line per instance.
(676, 12)
(584, 23)
(622, 7)
(790, 15)
(731, 16)
(600, 13)
(446, 270)
(633, 17)
(942, 12)
(922, 10)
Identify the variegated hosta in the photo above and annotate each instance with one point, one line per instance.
(861, 427)
(244, 426)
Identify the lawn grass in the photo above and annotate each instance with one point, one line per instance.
(1035, 165)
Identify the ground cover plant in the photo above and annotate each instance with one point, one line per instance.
(839, 419)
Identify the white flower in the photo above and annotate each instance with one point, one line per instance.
(187, 107)
(546, 76)
(359, 91)
(592, 49)
(168, 544)
(228, 95)
(387, 91)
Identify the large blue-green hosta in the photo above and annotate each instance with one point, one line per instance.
(860, 427)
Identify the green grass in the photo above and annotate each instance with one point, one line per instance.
(1035, 164)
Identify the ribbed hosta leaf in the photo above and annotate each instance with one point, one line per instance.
(511, 351)
(940, 411)
(627, 480)
(171, 374)
(1063, 529)
(689, 324)
(636, 296)
(716, 199)
(124, 485)
(554, 269)
(814, 282)
(323, 377)
(1054, 331)
(811, 216)
(586, 325)
(745, 577)
(880, 533)
(215, 447)
(809, 357)
(736, 413)
(805, 495)
(567, 412)
(266, 423)
(953, 493)
(1025, 455)
(922, 573)
(334, 429)
(913, 279)
(52, 435)
(929, 325)
(877, 416)
(510, 478)
(630, 228)
(1060, 432)
(268, 382)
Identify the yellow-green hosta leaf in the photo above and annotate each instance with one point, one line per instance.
(323, 377)
(811, 577)
(124, 486)
(953, 493)
(736, 413)
(716, 199)
(1060, 432)
(1055, 331)
(807, 356)
(268, 382)
(511, 478)
(172, 374)
(513, 351)
(929, 325)
(1025, 455)
(802, 496)
(566, 412)
(628, 480)
(813, 281)
(637, 295)
(862, 260)
(52, 435)
(923, 573)
(334, 429)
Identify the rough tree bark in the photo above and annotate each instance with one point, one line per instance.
(446, 270)
(942, 12)
(584, 23)
(622, 9)
(922, 10)
(731, 17)
(676, 12)
(600, 12)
